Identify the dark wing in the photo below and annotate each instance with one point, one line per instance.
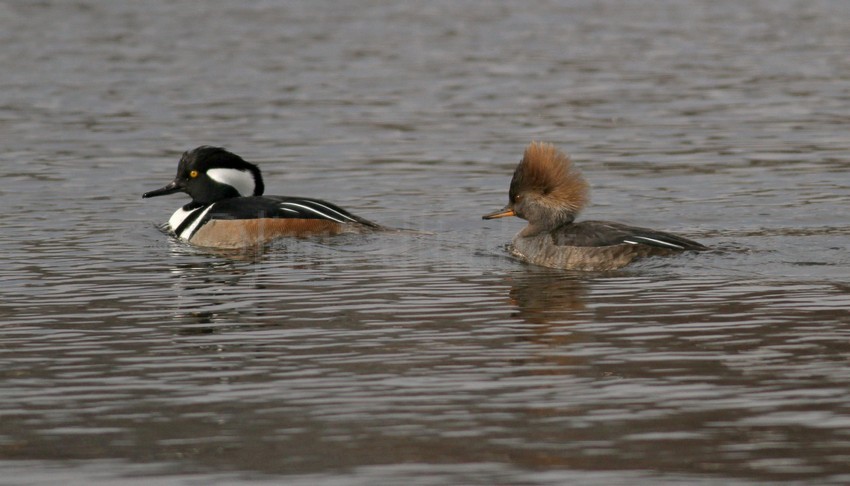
(604, 233)
(282, 207)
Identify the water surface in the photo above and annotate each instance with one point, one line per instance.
(429, 358)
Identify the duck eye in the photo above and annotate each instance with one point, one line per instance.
(193, 174)
(518, 198)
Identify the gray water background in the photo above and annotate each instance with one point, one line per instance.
(430, 358)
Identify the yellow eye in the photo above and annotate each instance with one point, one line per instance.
(193, 174)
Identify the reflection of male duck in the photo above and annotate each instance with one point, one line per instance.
(548, 192)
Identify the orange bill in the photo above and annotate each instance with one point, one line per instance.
(502, 213)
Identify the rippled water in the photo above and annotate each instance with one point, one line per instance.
(431, 357)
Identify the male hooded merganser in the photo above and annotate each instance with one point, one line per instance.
(548, 192)
(228, 209)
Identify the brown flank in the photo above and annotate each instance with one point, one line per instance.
(241, 233)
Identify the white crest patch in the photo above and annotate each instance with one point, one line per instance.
(241, 180)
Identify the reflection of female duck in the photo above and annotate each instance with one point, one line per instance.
(549, 303)
(542, 296)
(548, 192)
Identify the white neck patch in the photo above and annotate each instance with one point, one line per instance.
(178, 217)
(241, 180)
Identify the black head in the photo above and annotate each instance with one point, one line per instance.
(210, 174)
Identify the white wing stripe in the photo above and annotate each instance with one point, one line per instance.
(332, 209)
(326, 216)
(659, 242)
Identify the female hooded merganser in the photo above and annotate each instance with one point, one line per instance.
(548, 192)
(228, 209)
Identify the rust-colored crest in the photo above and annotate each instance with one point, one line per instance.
(548, 174)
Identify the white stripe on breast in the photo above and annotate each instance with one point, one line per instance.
(178, 217)
(187, 233)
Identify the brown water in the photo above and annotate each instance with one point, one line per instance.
(426, 358)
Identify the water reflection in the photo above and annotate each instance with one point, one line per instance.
(542, 295)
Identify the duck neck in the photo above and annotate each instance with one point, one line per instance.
(538, 227)
(547, 221)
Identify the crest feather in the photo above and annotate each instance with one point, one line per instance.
(549, 174)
